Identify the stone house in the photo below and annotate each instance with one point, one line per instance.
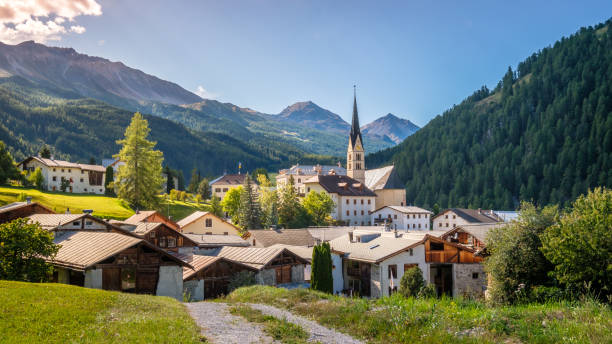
(83, 178)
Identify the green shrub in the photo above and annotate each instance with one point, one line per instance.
(241, 279)
(427, 292)
(22, 197)
(545, 294)
(412, 282)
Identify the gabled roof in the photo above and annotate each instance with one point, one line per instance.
(383, 178)
(143, 215)
(255, 257)
(18, 205)
(303, 252)
(65, 164)
(52, 221)
(200, 263)
(377, 249)
(311, 170)
(479, 231)
(472, 215)
(293, 237)
(406, 209)
(216, 240)
(232, 179)
(196, 215)
(341, 185)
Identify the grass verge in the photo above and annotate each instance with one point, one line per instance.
(57, 313)
(397, 319)
(278, 329)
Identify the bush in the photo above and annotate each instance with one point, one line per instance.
(241, 279)
(412, 282)
(545, 294)
(22, 197)
(427, 292)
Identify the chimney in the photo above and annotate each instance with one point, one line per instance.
(67, 210)
(28, 200)
(350, 235)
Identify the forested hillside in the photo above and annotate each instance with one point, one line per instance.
(77, 129)
(543, 134)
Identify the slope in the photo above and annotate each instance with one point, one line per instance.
(390, 128)
(543, 134)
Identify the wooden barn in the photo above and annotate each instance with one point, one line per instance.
(114, 261)
(160, 235)
(18, 210)
(210, 276)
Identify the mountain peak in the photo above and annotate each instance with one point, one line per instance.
(390, 128)
(308, 113)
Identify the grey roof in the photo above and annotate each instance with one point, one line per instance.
(473, 215)
(294, 237)
(479, 231)
(325, 234)
(342, 185)
(376, 250)
(216, 240)
(52, 221)
(65, 164)
(383, 178)
(301, 251)
(253, 256)
(311, 170)
(406, 209)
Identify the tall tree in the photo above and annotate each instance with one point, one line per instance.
(23, 248)
(319, 206)
(181, 181)
(269, 202)
(204, 188)
(92, 160)
(231, 203)
(139, 180)
(194, 181)
(108, 181)
(45, 152)
(215, 206)
(321, 269)
(169, 179)
(7, 165)
(36, 179)
(291, 213)
(249, 212)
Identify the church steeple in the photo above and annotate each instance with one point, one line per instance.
(355, 130)
(355, 154)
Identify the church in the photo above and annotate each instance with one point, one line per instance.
(360, 192)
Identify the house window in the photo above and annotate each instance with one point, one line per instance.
(54, 188)
(475, 275)
(355, 212)
(347, 201)
(53, 170)
(358, 156)
(225, 233)
(440, 224)
(62, 170)
(208, 233)
(395, 216)
(436, 246)
(354, 201)
(411, 252)
(54, 178)
(254, 242)
(419, 216)
(171, 242)
(299, 180)
(447, 224)
(225, 189)
(369, 201)
(419, 226)
(347, 213)
(85, 189)
(309, 189)
(454, 216)
(89, 223)
(217, 189)
(446, 216)
(76, 223)
(413, 225)
(362, 212)
(208, 222)
(68, 170)
(425, 225)
(81, 180)
(82, 172)
(413, 216)
(152, 235)
(162, 242)
(361, 201)
(392, 270)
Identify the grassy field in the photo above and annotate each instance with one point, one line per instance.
(399, 320)
(57, 313)
(103, 206)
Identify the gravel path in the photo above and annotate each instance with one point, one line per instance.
(219, 326)
(317, 332)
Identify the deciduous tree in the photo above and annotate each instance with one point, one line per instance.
(319, 206)
(231, 203)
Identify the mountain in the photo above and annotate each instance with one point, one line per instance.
(313, 116)
(89, 76)
(390, 127)
(543, 134)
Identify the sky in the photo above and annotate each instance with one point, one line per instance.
(414, 59)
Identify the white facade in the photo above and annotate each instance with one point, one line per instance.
(83, 178)
(416, 255)
(403, 218)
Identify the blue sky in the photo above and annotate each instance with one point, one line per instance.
(411, 58)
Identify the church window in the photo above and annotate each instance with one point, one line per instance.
(358, 156)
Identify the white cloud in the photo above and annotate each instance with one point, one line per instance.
(202, 92)
(42, 20)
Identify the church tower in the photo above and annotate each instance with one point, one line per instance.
(355, 155)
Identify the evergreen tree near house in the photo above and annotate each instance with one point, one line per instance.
(268, 200)
(169, 179)
(8, 170)
(92, 160)
(319, 206)
(204, 188)
(181, 181)
(65, 184)
(321, 269)
(260, 171)
(108, 181)
(249, 212)
(36, 179)
(412, 282)
(194, 182)
(45, 152)
(139, 180)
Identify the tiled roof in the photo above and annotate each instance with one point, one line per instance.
(342, 185)
(191, 218)
(479, 231)
(66, 164)
(325, 234)
(383, 178)
(377, 249)
(294, 237)
(139, 217)
(143, 228)
(231, 179)
(473, 215)
(406, 209)
(81, 250)
(52, 221)
(301, 251)
(199, 262)
(255, 257)
(216, 240)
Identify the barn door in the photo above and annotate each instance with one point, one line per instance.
(283, 274)
(111, 279)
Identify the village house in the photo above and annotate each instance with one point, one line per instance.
(386, 184)
(402, 217)
(210, 244)
(82, 178)
(150, 216)
(209, 276)
(204, 222)
(301, 173)
(304, 252)
(371, 264)
(73, 222)
(16, 210)
(160, 235)
(275, 266)
(223, 184)
(453, 217)
(291, 237)
(473, 235)
(114, 261)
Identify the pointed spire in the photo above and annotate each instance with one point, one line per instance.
(355, 130)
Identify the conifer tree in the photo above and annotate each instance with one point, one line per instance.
(139, 180)
(249, 212)
(108, 181)
(291, 213)
(321, 269)
(194, 181)
(268, 201)
(45, 152)
(169, 179)
(181, 181)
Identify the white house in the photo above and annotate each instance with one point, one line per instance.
(301, 173)
(404, 218)
(453, 217)
(82, 178)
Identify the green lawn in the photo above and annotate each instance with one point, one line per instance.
(103, 206)
(400, 320)
(57, 313)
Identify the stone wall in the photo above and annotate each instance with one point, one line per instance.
(93, 278)
(375, 285)
(170, 282)
(469, 280)
(297, 273)
(266, 277)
